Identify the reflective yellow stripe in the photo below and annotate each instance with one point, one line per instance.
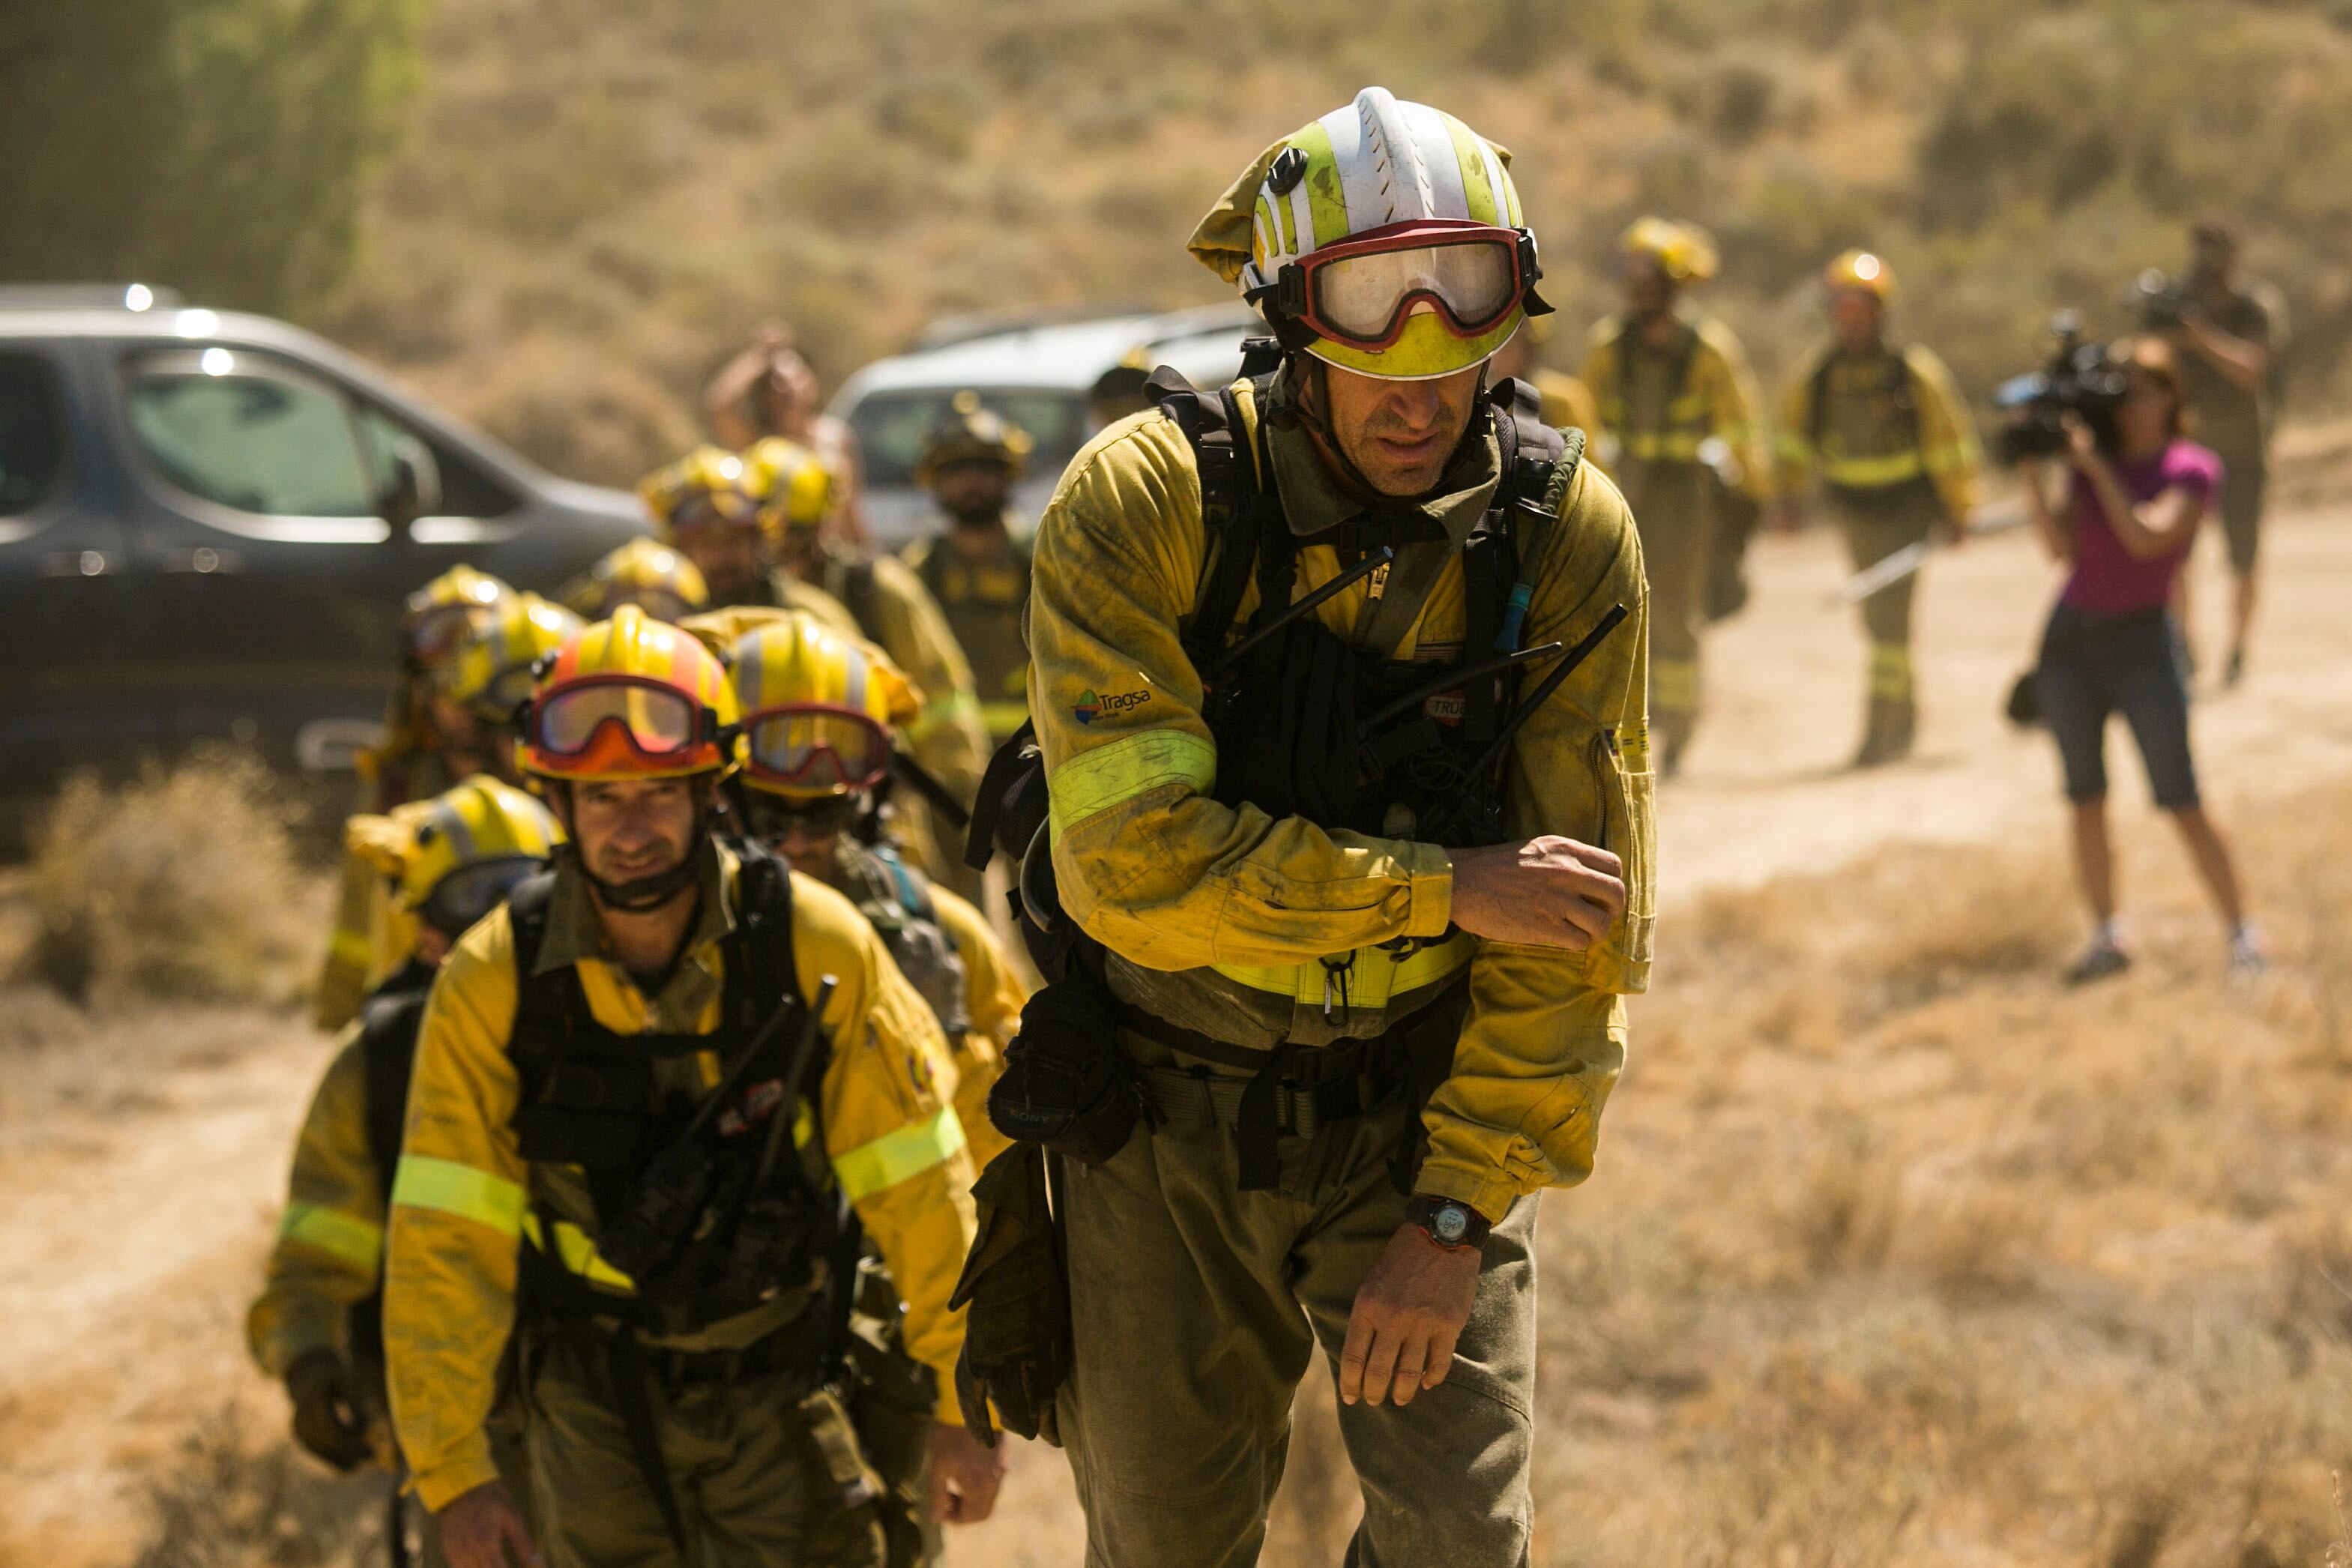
(1003, 718)
(942, 711)
(895, 1156)
(1890, 670)
(353, 947)
(1372, 978)
(448, 1187)
(1795, 447)
(1096, 781)
(355, 1240)
(578, 1253)
(1652, 448)
(1867, 473)
(1947, 459)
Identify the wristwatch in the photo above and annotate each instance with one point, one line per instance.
(1449, 1223)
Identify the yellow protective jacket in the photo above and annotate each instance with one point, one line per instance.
(371, 937)
(993, 996)
(983, 600)
(465, 1202)
(1247, 907)
(330, 1247)
(1645, 420)
(1886, 418)
(1568, 404)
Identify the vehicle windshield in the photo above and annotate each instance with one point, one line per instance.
(890, 427)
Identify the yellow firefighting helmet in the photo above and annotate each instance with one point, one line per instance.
(969, 433)
(1864, 270)
(452, 858)
(437, 614)
(1682, 251)
(630, 698)
(647, 573)
(707, 486)
(1385, 238)
(794, 487)
(818, 708)
(488, 672)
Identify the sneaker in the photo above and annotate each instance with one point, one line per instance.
(2100, 960)
(2247, 959)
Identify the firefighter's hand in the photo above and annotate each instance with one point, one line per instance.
(328, 1418)
(964, 1476)
(1409, 1313)
(1541, 892)
(483, 1528)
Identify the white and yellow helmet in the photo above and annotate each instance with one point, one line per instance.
(1385, 238)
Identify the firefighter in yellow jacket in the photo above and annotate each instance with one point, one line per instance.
(318, 1324)
(1679, 413)
(649, 1095)
(429, 745)
(1320, 887)
(818, 710)
(1890, 438)
(977, 568)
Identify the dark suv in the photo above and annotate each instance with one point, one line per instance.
(208, 523)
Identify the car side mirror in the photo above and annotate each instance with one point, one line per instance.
(408, 495)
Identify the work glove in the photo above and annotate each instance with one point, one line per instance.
(328, 1418)
(1016, 1346)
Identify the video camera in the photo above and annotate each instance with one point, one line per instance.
(2082, 378)
(2158, 300)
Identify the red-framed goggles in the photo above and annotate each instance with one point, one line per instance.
(817, 747)
(660, 723)
(434, 635)
(1359, 292)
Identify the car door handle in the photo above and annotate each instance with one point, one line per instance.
(202, 561)
(81, 564)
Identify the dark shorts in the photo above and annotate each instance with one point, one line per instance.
(2094, 665)
(2241, 509)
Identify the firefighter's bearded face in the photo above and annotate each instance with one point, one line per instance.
(1399, 434)
(628, 830)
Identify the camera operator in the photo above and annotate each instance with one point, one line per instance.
(2226, 330)
(2132, 507)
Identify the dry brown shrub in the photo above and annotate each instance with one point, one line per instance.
(229, 1502)
(182, 884)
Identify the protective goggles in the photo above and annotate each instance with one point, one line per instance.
(1359, 292)
(817, 748)
(714, 509)
(660, 723)
(433, 636)
(508, 691)
(462, 897)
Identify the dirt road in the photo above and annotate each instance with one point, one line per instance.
(137, 1212)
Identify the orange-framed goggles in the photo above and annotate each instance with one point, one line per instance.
(816, 748)
(663, 726)
(1359, 292)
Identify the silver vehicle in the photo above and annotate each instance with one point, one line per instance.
(1033, 370)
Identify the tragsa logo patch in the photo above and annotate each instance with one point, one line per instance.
(1091, 707)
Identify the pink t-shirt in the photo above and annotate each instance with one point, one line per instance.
(2109, 580)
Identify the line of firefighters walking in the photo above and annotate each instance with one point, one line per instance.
(638, 1196)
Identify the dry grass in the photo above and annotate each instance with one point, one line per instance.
(181, 885)
(1901, 1253)
(230, 1502)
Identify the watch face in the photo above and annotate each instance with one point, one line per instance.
(1450, 1224)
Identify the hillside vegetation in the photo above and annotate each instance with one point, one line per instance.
(594, 200)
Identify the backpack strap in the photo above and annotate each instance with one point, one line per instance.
(388, 1020)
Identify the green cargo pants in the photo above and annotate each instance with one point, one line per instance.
(756, 1476)
(1673, 512)
(1877, 523)
(1194, 1308)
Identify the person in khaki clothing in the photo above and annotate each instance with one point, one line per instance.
(977, 569)
(1679, 432)
(649, 1094)
(1896, 452)
(1372, 1010)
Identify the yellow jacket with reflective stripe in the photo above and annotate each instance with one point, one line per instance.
(330, 1245)
(1868, 440)
(1718, 401)
(462, 1191)
(993, 996)
(1171, 880)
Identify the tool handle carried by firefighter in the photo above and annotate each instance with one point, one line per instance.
(780, 1122)
(1373, 562)
(1884, 574)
